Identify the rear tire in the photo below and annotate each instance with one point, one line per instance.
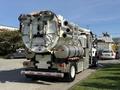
(70, 76)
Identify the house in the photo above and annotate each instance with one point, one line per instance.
(9, 28)
(105, 42)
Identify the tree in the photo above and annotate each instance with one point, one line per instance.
(10, 41)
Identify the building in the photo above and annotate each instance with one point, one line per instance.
(105, 42)
(3, 27)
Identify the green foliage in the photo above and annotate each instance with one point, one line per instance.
(10, 41)
(107, 78)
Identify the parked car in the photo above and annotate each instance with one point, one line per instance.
(106, 54)
(20, 53)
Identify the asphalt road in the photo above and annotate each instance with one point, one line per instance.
(11, 79)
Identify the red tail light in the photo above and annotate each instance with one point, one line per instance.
(61, 65)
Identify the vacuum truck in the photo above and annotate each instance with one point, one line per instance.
(54, 46)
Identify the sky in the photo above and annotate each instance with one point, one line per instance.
(97, 15)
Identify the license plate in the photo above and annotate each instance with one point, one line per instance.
(107, 55)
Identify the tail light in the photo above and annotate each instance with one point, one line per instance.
(61, 65)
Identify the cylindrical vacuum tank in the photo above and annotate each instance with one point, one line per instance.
(68, 51)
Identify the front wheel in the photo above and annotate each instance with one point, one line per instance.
(70, 76)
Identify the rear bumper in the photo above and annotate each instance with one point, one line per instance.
(38, 73)
(107, 57)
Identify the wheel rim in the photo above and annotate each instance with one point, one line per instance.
(72, 71)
